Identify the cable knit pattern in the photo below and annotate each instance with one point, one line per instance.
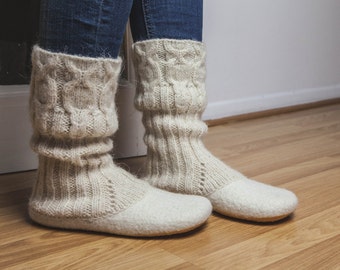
(73, 116)
(78, 185)
(80, 97)
(171, 94)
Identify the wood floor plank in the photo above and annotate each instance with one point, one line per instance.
(265, 160)
(280, 243)
(300, 170)
(295, 135)
(105, 254)
(233, 231)
(266, 128)
(322, 256)
(299, 151)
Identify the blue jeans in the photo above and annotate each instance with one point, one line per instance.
(95, 28)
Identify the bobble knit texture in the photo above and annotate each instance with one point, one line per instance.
(171, 94)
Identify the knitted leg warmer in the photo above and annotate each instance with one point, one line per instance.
(78, 185)
(171, 95)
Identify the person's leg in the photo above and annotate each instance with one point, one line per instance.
(175, 19)
(171, 94)
(92, 28)
(74, 117)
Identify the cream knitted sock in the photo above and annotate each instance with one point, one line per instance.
(171, 95)
(78, 185)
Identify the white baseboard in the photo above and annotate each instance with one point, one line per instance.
(226, 108)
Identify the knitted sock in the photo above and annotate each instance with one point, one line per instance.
(171, 94)
(78, 185)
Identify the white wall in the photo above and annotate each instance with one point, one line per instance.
(267, 54)
(261, 54)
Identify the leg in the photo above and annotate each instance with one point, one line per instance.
(171, 94)
(74, 117)
(92, 28)
(175, 19)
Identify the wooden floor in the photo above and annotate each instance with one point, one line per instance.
(299, 151)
